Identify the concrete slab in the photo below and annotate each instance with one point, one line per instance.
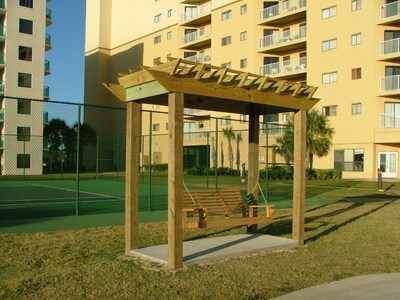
(212, 249)
(368, 287)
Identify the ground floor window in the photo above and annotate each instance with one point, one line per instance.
(23, 161)
(349, 160)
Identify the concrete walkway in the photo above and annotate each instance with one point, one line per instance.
(212, 249)
(367, 287)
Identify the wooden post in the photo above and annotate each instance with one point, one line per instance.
(175, 180)
(132, 176)
(299, 180)
(253, 159)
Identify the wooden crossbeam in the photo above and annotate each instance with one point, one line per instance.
(186, 70)
(199, 71)
(312, 92)
(221, 73)
(208, 75)
(242, 77)
(296, 88)
(280, 86)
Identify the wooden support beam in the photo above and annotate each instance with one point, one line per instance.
(132, 178)
(221, 73)
(175, 180)
(299, 180)
(253, 157)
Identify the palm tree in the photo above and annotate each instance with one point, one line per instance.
(222, 154)
(213, 152)
(87, 136)
(318, 137)
(238, 139)
(55, 134)
(230, 135)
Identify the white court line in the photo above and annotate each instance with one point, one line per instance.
(52, 203)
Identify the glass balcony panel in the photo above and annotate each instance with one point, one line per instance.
(390, 10)
(284, 7)
(199, 11)
(2, 115)
(2, 87)
(279, 68)
(46, 92)
(390, 83)
(390, 120)
(390, 46)
(283, 37)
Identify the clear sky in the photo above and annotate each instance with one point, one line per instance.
(67, 56)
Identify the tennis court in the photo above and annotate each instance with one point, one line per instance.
(30, 199)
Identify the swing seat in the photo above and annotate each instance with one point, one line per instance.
(221, 208)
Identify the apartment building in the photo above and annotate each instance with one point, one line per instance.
(23, 43)
(350, 49)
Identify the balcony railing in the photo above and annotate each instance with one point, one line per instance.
(2, 87)
(390, 83)
(390, 10)
(2, 115)
(282, 8)
(1, 142)
(201, 10)
(48, 41)
(390, 120)
(45, 118)
(46, 66)
(46, 92)
(390, 46)
(49, 19)
(283, 37)
(281, 68)
(2, 31)
(200, 34)
(200, 58)
(2, 4)
(2, 58)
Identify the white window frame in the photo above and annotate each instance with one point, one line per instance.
(157, 18)
(330, 77)
(169, 13)
(355, 5)
(157, 39)
(356, 39)
(330, 110)
(356, 108)
(329, 12)
(226, 15)
(169, 35)
(226, 40)
(329, 45)
(243, 36)
(225, 120)
(243, 9)
(243, 63)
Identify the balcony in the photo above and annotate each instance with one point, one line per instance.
(390, 86)
(200, 58)
(2, 60)
(46, 67)
(200, 15)
(284, 12)
(2, 115)
(197, 39)
(389, 130)
(284, 41)
(49, 20)
(45, 118)
(193, 2)
(390, 14)
(46, 92)
(48, 41)
(288, 69)
(1, 142)
(2, 87)
(390, 50)
(2, 7)
(2, 33)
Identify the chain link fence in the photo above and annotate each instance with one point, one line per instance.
(76, 165)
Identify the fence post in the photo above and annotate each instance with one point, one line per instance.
(24, 157)
(117, 158)
(208, 157)
(78, 137)
(266, 162)
(150, 158)
(216, 153)
(97, 157)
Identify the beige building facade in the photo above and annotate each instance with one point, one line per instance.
(23, 43)
(350, 49)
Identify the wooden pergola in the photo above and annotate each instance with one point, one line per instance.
(183, 84)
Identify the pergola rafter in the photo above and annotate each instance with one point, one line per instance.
(181, 84)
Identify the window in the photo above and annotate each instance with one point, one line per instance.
(26, 3)
(356, 109)
(285, 117)
(25, 53)
(227, 65)
(329, 77)
(329, 45)
(243, 63)
(243, 36)
(23, 134)
(226, 41)
(243, 9)
(286, 60)
(285, 4)
(350, 160)
(286, 32)
(329, 12)
(329, 110)
(157, 39)
(169, 13)
(355, 5)
(23, 161)
(24, 107)
(157, 18)
(26, 26)
(243, 118)
(156, 127)
(24, 80)
(226, 15)
(169, 35)
(356, 73)
(356, 39)
(226, 120)
(200, 124)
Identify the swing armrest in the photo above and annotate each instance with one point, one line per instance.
(269, 209)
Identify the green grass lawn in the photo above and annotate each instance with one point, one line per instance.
(356, 235)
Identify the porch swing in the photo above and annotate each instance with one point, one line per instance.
(223, 208)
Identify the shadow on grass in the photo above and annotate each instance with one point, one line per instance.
(284, 227)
